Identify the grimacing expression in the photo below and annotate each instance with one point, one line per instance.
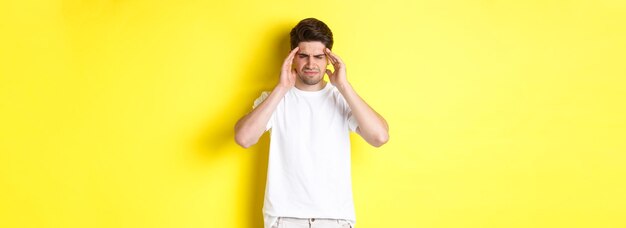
(310, 62)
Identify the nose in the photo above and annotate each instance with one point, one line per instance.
(309, 62)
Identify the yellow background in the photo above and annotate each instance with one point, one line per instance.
(120, 113)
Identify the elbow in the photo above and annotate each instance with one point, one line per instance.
(243, 142)
(380, 140)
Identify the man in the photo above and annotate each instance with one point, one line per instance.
(308, 179)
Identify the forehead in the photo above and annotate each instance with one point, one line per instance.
(311, 47)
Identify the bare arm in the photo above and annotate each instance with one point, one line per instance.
(372, 126)
(250, 127)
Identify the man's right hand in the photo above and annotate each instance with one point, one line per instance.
(250, 127)
(288, 73)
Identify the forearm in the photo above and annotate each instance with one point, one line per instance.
(372, 126)
(249, 128)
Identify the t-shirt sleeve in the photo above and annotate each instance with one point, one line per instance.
(352, 124)
(260, 100)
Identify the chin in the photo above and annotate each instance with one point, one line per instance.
(311, 81)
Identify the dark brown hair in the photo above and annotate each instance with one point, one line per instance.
(311, 29)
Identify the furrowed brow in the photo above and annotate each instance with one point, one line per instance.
(307, 55)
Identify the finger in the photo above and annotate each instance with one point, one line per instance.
(293, 52)
(329, 72)
(289, 59)
(329, 56)
(334, 62)
(335, 57)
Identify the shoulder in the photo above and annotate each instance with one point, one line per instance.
(336, 94)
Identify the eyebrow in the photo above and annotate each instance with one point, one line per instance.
(307, 55)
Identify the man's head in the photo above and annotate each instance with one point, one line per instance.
(311, 29)
(311, 36)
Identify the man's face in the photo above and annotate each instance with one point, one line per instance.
(310, 62)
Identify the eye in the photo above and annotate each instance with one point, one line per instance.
(319, 57)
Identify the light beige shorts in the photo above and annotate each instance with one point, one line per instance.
(287, 222)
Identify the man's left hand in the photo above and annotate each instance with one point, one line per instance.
(338, 77)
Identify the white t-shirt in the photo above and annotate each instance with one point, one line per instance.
(308, 173)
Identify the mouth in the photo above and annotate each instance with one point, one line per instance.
(311, 72)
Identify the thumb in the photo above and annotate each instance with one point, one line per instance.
(329, 72)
